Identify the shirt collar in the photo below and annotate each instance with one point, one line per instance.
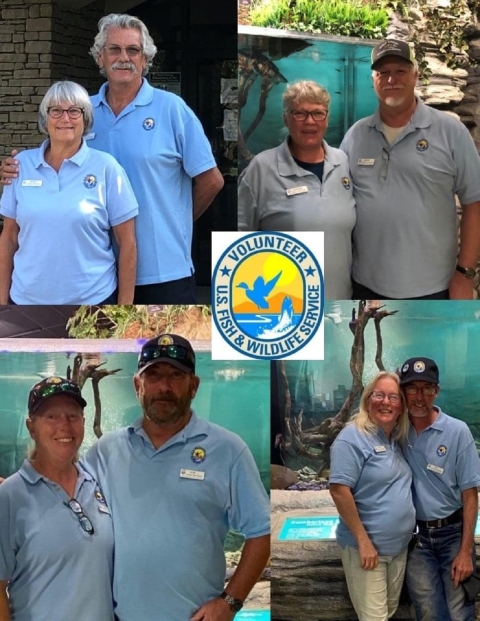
(78, 159)
(28, 472)
(287, 166)
(142, 98)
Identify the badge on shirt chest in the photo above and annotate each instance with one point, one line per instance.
(366, 161)
(379, 449)
(434, 468)
(32, 183)
(196, 475)
(300, 190)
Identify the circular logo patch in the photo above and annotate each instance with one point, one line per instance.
(405, 367)
(422, 145)
(99, 496)
(346, 183)
(268, 295)
(165, 340)
(419, 366)
(54, 380)
(148, 124)
(90, 181)
(441, 450)
(198, 455)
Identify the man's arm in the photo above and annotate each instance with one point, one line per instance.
(462, 565)
(9, 169)
(254, 557)
(461, 288)
(8, 247)
(4, 608)
(206, 186)
(346, 507)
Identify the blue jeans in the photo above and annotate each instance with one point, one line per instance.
(428, 576)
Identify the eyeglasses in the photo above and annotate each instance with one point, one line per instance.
(377, 395)
(385, 162)
(302, 115)
(175, 352)
(57, 113)
(116, 50)
(85, 523)
(427, 390)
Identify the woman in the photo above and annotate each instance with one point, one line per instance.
(370, 483)
(55, 247)
(304, 185)
(56, 535)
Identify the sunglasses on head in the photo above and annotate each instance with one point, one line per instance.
(175, 352)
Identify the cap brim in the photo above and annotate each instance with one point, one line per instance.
(174, 363)
(375, 64)
(80, 400)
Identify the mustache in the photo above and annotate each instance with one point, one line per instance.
(128, 65)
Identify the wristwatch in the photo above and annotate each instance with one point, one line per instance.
(235, 604)
(466, 271)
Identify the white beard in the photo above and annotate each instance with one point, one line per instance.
(394, 102)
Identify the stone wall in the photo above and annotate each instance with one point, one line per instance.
(40, 43)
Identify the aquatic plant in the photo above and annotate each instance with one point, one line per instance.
(337, 17)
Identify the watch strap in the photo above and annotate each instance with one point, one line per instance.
(468, 272)
(235, 604)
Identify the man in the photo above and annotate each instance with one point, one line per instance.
(407, 162)
(175, 483)
(446, 472)
(161, 145)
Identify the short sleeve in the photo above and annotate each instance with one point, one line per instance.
(8, 201)
(197, 156)
(346, 463)
(121, 203)
(247, 201)
(468, 462)
(467, 164)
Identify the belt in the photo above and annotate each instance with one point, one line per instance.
(455, 518)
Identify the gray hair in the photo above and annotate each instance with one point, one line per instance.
(362, 419)
(116, 20)
(305, 90)
(66, 92)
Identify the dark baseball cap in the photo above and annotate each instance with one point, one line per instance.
(51, 386)
(392, 47)
(418, 369)
(170, 348)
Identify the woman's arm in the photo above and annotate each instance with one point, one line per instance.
(127, 260)
(345, 503)
(8, 247)
(4, 608)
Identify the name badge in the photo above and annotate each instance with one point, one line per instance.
(380, 449)
(31, 183)
(434, 468)
(103, 509)
(363, 161)
(90, 136)
(300, 190)
(192, 474)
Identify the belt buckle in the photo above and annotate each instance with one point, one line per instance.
(439, 523)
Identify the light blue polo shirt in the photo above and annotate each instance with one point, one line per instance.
(276, 194)
(56, 571)
(444, 461)
(65, 254)
(172, 509)
(161, 144)
(380, 479)
(406, 236)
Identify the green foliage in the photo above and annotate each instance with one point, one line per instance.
(93, 322)
(352, 18)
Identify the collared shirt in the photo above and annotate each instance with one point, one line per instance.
(65, 254)
(172, 508)
(55, 570)
(162, 146)
(406, 237)
(444, 461)
(276, 194)
(380, 479)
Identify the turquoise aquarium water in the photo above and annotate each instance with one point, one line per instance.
(446, 331)
(269, 59)
(235, 395)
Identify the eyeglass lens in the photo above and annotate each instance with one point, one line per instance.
(302, 115)
(380, 396)
(56, 112)
(412, 390)
(116, 50)
(85, 523)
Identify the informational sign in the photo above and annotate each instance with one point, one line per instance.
(170, 81)
(253, 615)
(319, 528)
(313, 528)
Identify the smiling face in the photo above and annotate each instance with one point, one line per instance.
(65, 129)
(384, 411)
(306, 135)
(165, 393)
(120, 67)
(394, 81)
(57, 427)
